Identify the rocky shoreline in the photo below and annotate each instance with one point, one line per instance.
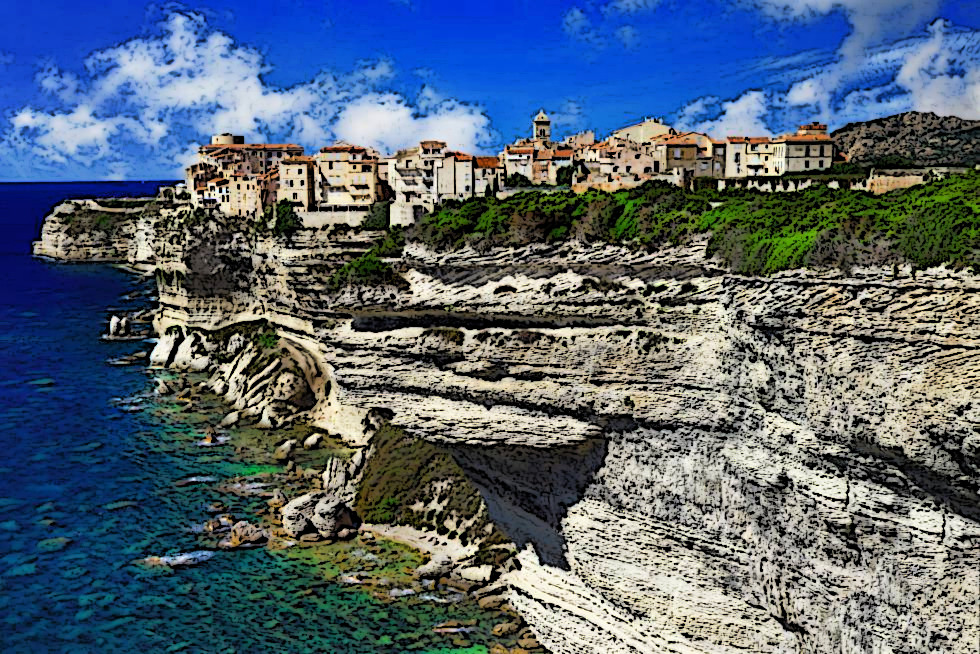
(653, 453)
(303, 505)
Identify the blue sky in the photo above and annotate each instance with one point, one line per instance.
(127, 90)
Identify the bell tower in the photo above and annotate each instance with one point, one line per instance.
(542, 127)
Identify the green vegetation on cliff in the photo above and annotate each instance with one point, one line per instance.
(370, 269)
(404, 472)
(753, 232)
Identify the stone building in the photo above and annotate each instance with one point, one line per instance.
(296, 182)
(645, 131)
(346, 179)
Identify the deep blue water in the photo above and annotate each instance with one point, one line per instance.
(88, 464)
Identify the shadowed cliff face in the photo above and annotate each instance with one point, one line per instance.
(688, 460)
(528, 490)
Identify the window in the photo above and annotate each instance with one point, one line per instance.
(820, 164)
(821, 153)
(767, 157)
(806, 164)
(738, 157)
(677, 153)
(366, 168)
(295, 197)
(807, 152)
(301, 182)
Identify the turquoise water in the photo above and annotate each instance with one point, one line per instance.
(91, 482)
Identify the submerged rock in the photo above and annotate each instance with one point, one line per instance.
(245, 534)
(439, 566)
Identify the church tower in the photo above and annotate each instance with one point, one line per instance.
(542, 127)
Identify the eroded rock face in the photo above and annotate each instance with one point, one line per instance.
(688, 460)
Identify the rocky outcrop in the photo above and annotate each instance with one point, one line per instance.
(318, 515)
(917, 138)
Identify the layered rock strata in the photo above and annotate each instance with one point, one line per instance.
(688, 460)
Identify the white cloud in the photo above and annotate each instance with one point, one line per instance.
(578, 25)
(147, 102)
(937, 71)
(387, 122)
(745, 115)
(606, 27)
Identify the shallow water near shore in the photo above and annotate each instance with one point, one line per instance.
(98, 473)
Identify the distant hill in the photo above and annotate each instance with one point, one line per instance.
(913, 138)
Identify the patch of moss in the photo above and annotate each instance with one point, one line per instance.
(404, 471)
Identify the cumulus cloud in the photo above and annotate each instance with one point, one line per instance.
(937, 71)
(147, 102)
(745, 115)
(386, 121)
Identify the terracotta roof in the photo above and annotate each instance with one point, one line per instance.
(543, 155)
(298, 160)
(432, 144)
(462, 156)
(343, 148)
(678, 140)
(759, 139)
(520, 149)
(796, 138)
(487, 162)
(564, 154)
(737, 139)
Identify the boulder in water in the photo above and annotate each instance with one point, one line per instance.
(245, 534)
(320, 514)
(313, 441)
(283, 451)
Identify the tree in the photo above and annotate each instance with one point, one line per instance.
(287, 222)
(379, 216)
(566, 175)
(517, 180)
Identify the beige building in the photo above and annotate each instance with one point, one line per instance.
(346, 179)
(296, 182)
(810, 149)
(645, 131)
(241, 164)
(488, 172)
(411, 174)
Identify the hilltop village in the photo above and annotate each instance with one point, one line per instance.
(341, 182)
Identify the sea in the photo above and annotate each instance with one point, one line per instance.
(98, 475)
